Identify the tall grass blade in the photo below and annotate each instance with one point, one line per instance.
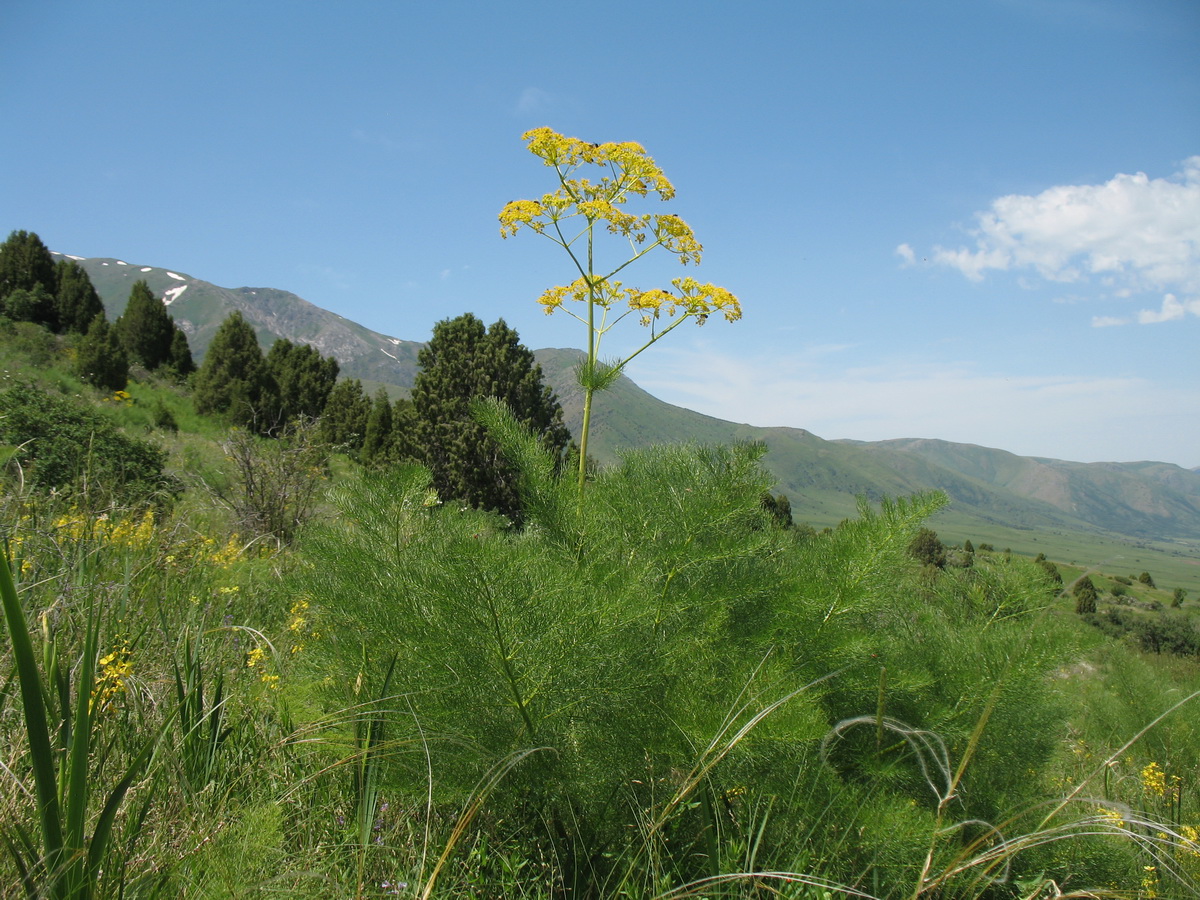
(36, 729)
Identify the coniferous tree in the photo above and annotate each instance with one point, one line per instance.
(1085, 596)
(180, 360)
(344, 417)
(100, 359)
(234, 381)
(24, 263)
(927, 548)
(145, 328)
(76, 300)
(463, 361)
(305, 378)
(404, 424)
(377, 440)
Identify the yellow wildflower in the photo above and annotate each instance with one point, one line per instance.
(1153, 779)
(112, 672)
(255, 656)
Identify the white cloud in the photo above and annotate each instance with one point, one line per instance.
(1172, 309)
(1059, 416)
(1108, 321)
(1131, 234)
(905, 252)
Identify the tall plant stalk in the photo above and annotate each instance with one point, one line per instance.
(627, 170)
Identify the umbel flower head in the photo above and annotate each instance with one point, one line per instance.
(581, 204)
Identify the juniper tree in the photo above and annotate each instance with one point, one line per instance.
(100, 359)
(1085, 596)
(145, 328)
(304, 377)
(234, 381)
(180, 361)
(464, 361)
(344, 416)
(76, 301)
(377, 439)
(24, 263)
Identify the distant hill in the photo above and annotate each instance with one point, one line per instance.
(990, 489)
(199, 309)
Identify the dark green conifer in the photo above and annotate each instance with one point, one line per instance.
(344, 417)
(377, 441)
(145, 328)
(180, 361)
(305, 378)
(76, 300)
(1085, 596)
(100, 359)
(234, 381)
(463, 361)
(24, 263)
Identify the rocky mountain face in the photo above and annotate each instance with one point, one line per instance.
(1141, 500)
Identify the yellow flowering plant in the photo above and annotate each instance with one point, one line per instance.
(571, 216)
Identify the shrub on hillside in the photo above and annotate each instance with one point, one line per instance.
(1085, 596)
(65, 446)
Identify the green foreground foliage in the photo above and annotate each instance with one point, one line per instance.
(659, 692)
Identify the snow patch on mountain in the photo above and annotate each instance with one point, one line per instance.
(177, 277)
(385, 353)
(173, 294)
(148, 269)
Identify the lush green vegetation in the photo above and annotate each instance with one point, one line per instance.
(663, 691)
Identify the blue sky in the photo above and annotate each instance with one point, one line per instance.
(972, 221)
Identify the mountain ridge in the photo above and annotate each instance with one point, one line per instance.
(1143, 500)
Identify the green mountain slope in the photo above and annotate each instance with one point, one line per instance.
(1145, 499)
(199, 307)
(993, 491)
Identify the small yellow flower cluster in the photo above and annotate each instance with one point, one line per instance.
(629, 170)
(224, 556)
(111, 674)
(123, 531)
(1149, 883)
(299, 626)
(1112, 817)
(628, 158)
(257, 658)
(1154, 781)
(120, 397)
(1191, 837)
(692, 297)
